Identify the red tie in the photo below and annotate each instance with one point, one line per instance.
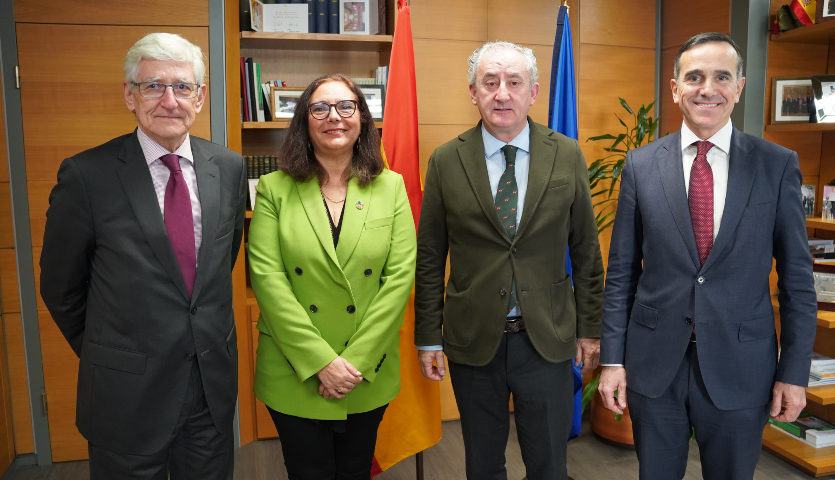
(179, 222)
(701, 200)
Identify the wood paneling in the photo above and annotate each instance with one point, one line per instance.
(450, 20)
(634, 26)
(149, 12)
(4, 153)
(681, 19)
(539, 110)
(6, 229)
(19, 383)
(806, 144)
(433, 136)
(529, 21)
(60, 370)
(38, 203)
(441, 72)
(8, 281)
(600, 101)
(449, 407)
(7, 446)
(668, 110)
(264, 426)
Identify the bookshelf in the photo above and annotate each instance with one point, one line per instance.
(800, 127)
(297, 59)
(814, 461)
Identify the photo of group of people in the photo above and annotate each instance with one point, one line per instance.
(797, 101)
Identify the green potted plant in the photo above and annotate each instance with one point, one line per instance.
(604, 176)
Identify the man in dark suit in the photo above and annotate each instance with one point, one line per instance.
(510, 319)
(688, 326)
(141, 237)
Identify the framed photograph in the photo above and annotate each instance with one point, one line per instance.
(284, 101)
(807, 195)
(824, 11)
(827, 201)
(375, 96)
(824, 275)
(253, 191)
(791, 99)
(824, 97)
(358, 17)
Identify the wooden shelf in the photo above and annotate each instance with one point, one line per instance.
(249, 214)
(819, 33)
(250, 296)
(282, 124)
(818, 222)
(315, 41)
(826, 319)
(814, 461)
(800, 127)
(822, 395)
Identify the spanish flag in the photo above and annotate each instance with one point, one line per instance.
(413, 420)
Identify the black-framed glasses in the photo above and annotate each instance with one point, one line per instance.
(157, 89)
(344, 108)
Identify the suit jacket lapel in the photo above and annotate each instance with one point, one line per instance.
(672, 180)
(353, 220)
(208, 187)
(740, 181)
(314, 207)
(542, 154)
(139, 189)
(471, 154)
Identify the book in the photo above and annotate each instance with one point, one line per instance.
(810, 429)
(250, 89)
(258, 93)
(244, 95)
(333, 16)
(311, 16)
(807, 194)
(322, 16)
(822, 371)
(820, 359)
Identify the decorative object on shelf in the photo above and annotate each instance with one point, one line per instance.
(823, 87)
(358, 17)
(826, 203)
(807, 193)
(825, 11)
(375, 96)
(284, 101)
(791, 99)
(289, 18)
(824, 274)
(785, 20)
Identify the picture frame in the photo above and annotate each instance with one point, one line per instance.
(375, 97)
(791, 98)
(282, 103)
(823, 87)
(358, 17)
(824, 11)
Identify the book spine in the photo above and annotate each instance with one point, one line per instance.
(244, 97)
(321, 16)
(333, 16)
(311, 16)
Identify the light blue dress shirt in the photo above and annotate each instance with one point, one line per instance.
(496, 165)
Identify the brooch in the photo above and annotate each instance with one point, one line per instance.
(359, 205)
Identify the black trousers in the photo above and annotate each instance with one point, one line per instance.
(542, 400)
(196, 450)
(729, 441)
(328, 449)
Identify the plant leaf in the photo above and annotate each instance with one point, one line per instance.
(626, 106)
(590, 391)
(602, 137)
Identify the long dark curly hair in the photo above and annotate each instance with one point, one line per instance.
(296, 157)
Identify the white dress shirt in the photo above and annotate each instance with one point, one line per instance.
(160, 173)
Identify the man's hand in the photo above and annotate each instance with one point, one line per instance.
(338, 378)
(613, 379)
(432, 372)
(588, 351)
(788, 401)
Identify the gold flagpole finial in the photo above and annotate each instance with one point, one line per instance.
(565, 4)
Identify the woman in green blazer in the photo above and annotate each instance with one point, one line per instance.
(332, 263)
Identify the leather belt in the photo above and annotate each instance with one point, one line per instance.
(514, 325)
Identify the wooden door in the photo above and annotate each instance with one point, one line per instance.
(71, 93)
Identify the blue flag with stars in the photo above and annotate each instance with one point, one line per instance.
(562, 117)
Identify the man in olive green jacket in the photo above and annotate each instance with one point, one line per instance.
(510, 320)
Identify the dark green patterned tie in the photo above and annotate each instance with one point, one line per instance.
(507, 197)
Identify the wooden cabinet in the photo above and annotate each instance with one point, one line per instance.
(297, 59)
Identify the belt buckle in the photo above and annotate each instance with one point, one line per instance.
(514, 326)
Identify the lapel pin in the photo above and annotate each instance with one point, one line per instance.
(359, 205)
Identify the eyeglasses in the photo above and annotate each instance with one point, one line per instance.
(321, 110)
(157, 90)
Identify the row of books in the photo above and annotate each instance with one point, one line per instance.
(322, 15)
(822, 249)
(822, 371)
(808, 429)
(257, 165)
(380, 77)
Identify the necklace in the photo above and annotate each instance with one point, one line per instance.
(332, 200)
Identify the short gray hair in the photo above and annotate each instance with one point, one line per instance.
(164, 46)
(475, 59)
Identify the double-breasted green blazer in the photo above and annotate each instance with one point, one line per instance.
(458, 217)
(318, 302)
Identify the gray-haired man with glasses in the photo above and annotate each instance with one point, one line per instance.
(141, 237)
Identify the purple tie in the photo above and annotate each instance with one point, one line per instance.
(179, 222)
(701, 200)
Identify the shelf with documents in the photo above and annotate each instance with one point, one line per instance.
(315, 41)
(822, 395)
(818, 222)
(814, 461)
(800, 127)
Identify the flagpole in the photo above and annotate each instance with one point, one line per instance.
(419, 465)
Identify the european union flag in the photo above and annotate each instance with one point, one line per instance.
(562, 117)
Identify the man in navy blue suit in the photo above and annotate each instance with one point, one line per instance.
(688, 333)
